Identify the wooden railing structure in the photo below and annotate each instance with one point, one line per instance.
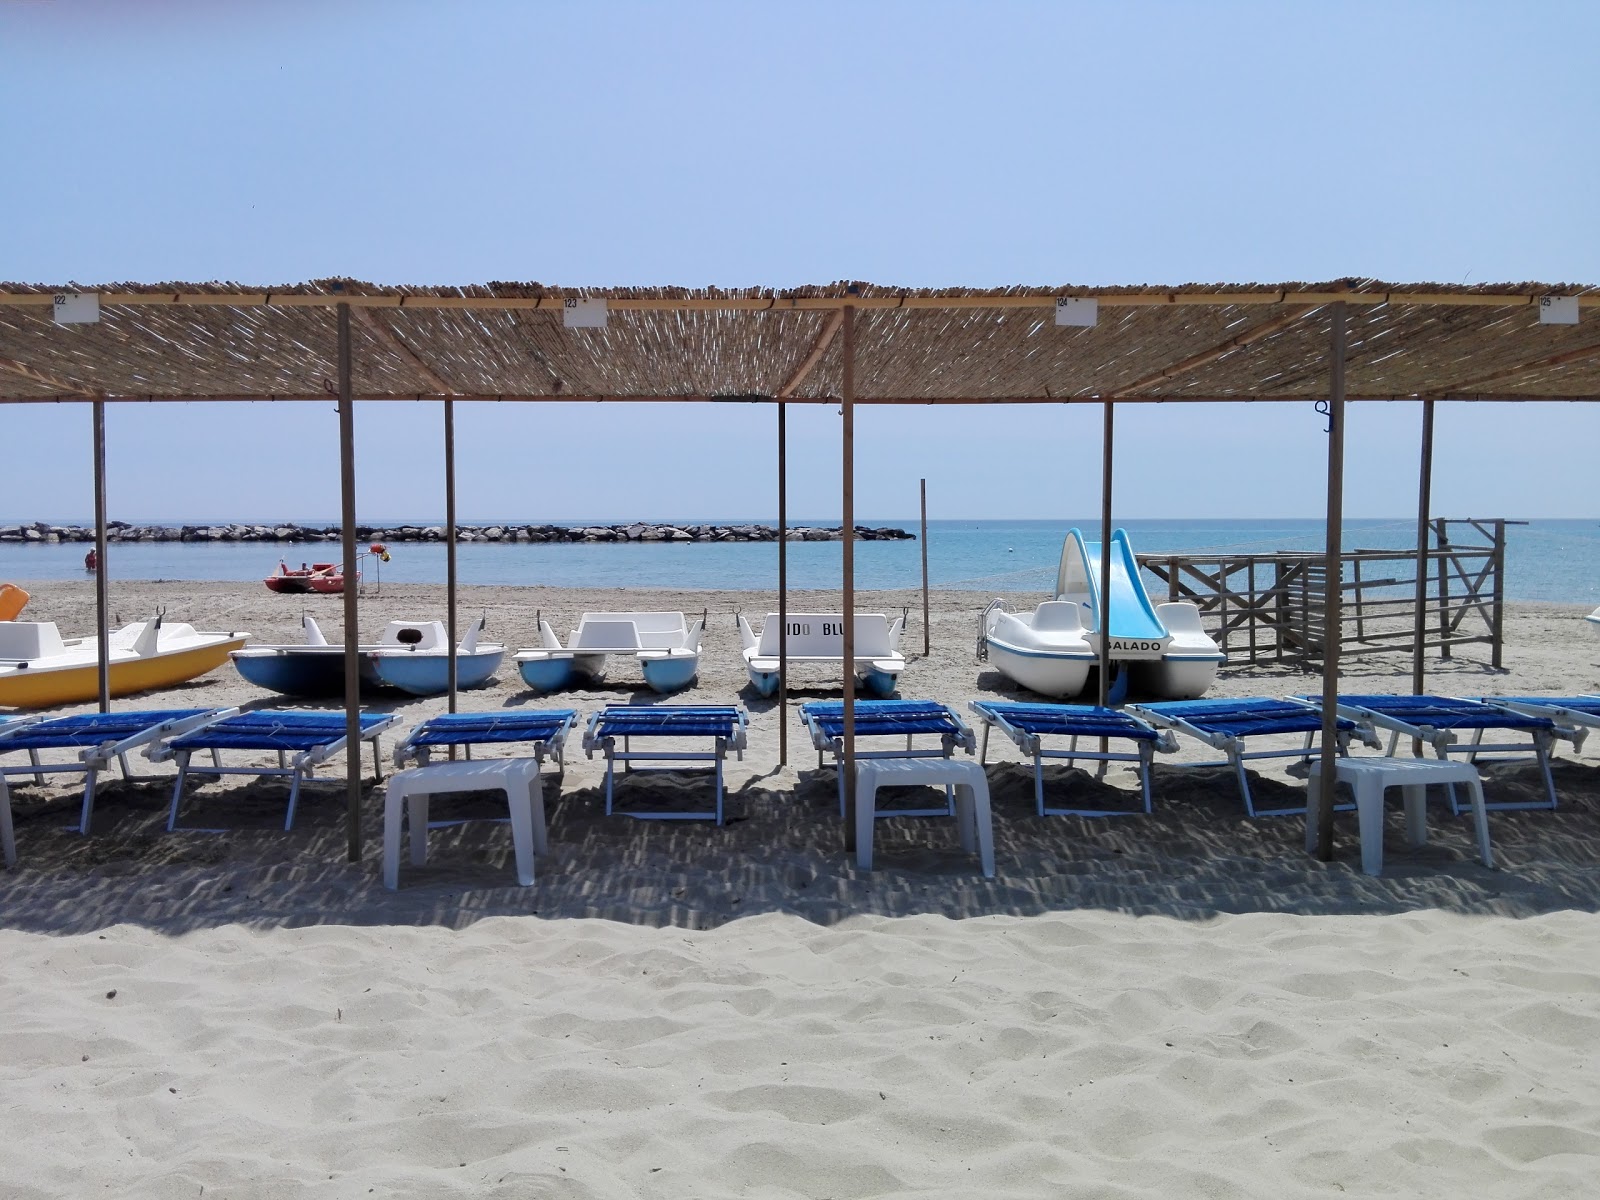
(1272, 607)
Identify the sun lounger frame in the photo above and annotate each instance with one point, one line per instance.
(24, 734)
(1580, 714)
(1019, 722)
(1541, 730)
(1168, 714)
(548, 734)
(308, 754)
(725, 724)
(824, 721)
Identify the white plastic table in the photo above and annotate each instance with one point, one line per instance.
(409, 790)
(1369, 778)
(973, 821)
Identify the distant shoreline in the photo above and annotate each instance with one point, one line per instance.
(636, 531)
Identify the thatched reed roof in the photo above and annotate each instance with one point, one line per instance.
(505, 341)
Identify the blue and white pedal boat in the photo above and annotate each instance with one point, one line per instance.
(1160, 649)
(411, 656)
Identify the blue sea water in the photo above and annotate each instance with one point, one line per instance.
(1555, 560)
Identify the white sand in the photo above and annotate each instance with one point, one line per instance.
(1176, 1005)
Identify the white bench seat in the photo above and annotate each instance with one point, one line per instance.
(819, 638)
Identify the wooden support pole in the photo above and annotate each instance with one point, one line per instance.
(352, 618)
(1498, 608)
(1105, 557)
(451, 631)
(1333, 559)
(102, 626)
(1424, 502)
(927, 636)
(847, 762)
(1441, 537)
(783, 584)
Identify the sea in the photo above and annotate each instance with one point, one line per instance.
(1550, 560)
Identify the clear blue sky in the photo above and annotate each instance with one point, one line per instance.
(738, 144)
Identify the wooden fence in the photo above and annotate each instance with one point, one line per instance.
(1272, 607)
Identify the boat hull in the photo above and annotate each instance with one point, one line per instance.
(545, 674)
(670, 674)
(429, 674)
(1175, 678)
(296, 672)
(44, 687)
(1047, 673)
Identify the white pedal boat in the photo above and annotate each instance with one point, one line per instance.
(411, 656)
(666, 645)
(1160, 650)
(819, 638)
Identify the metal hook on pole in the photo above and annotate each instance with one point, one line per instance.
(1325, 409)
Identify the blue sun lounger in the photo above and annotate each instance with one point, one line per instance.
(1028, 724)
(1226, 724)
(1439, 720)
(824, 720)
(1579, 714)
(725, 725)
(99, 738)
(311, 737)
(545, 728)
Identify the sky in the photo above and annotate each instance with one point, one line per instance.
(908, 144)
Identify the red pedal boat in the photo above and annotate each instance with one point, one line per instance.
(315, 577)
(327, 578)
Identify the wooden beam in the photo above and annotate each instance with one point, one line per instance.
(69, 386)
(847, 749)
(1205, 357)
(390, 340)
(818, 349)
(1333, 597)
(102, 626)
(352, 630)
(1010, 300)
(67, 396)
(1538, 364)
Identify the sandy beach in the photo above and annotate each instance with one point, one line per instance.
(1168, 1005)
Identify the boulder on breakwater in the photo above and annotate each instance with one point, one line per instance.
(633, 531)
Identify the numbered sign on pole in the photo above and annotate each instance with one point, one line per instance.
(76, 308)
(583, 314)
(1558, 310)
(1071, 310)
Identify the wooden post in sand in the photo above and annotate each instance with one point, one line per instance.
(352, 631)
(926, 635)
(1419, 625)
(450, 546)
(783, 584)
(102, 627)
(847, 760)
(1105, 559)
(1333, 594)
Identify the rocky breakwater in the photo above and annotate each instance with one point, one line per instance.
(121, 531)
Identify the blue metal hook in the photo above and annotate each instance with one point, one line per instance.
(1325, 408)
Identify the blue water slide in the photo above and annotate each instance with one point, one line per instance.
(1133, 616)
